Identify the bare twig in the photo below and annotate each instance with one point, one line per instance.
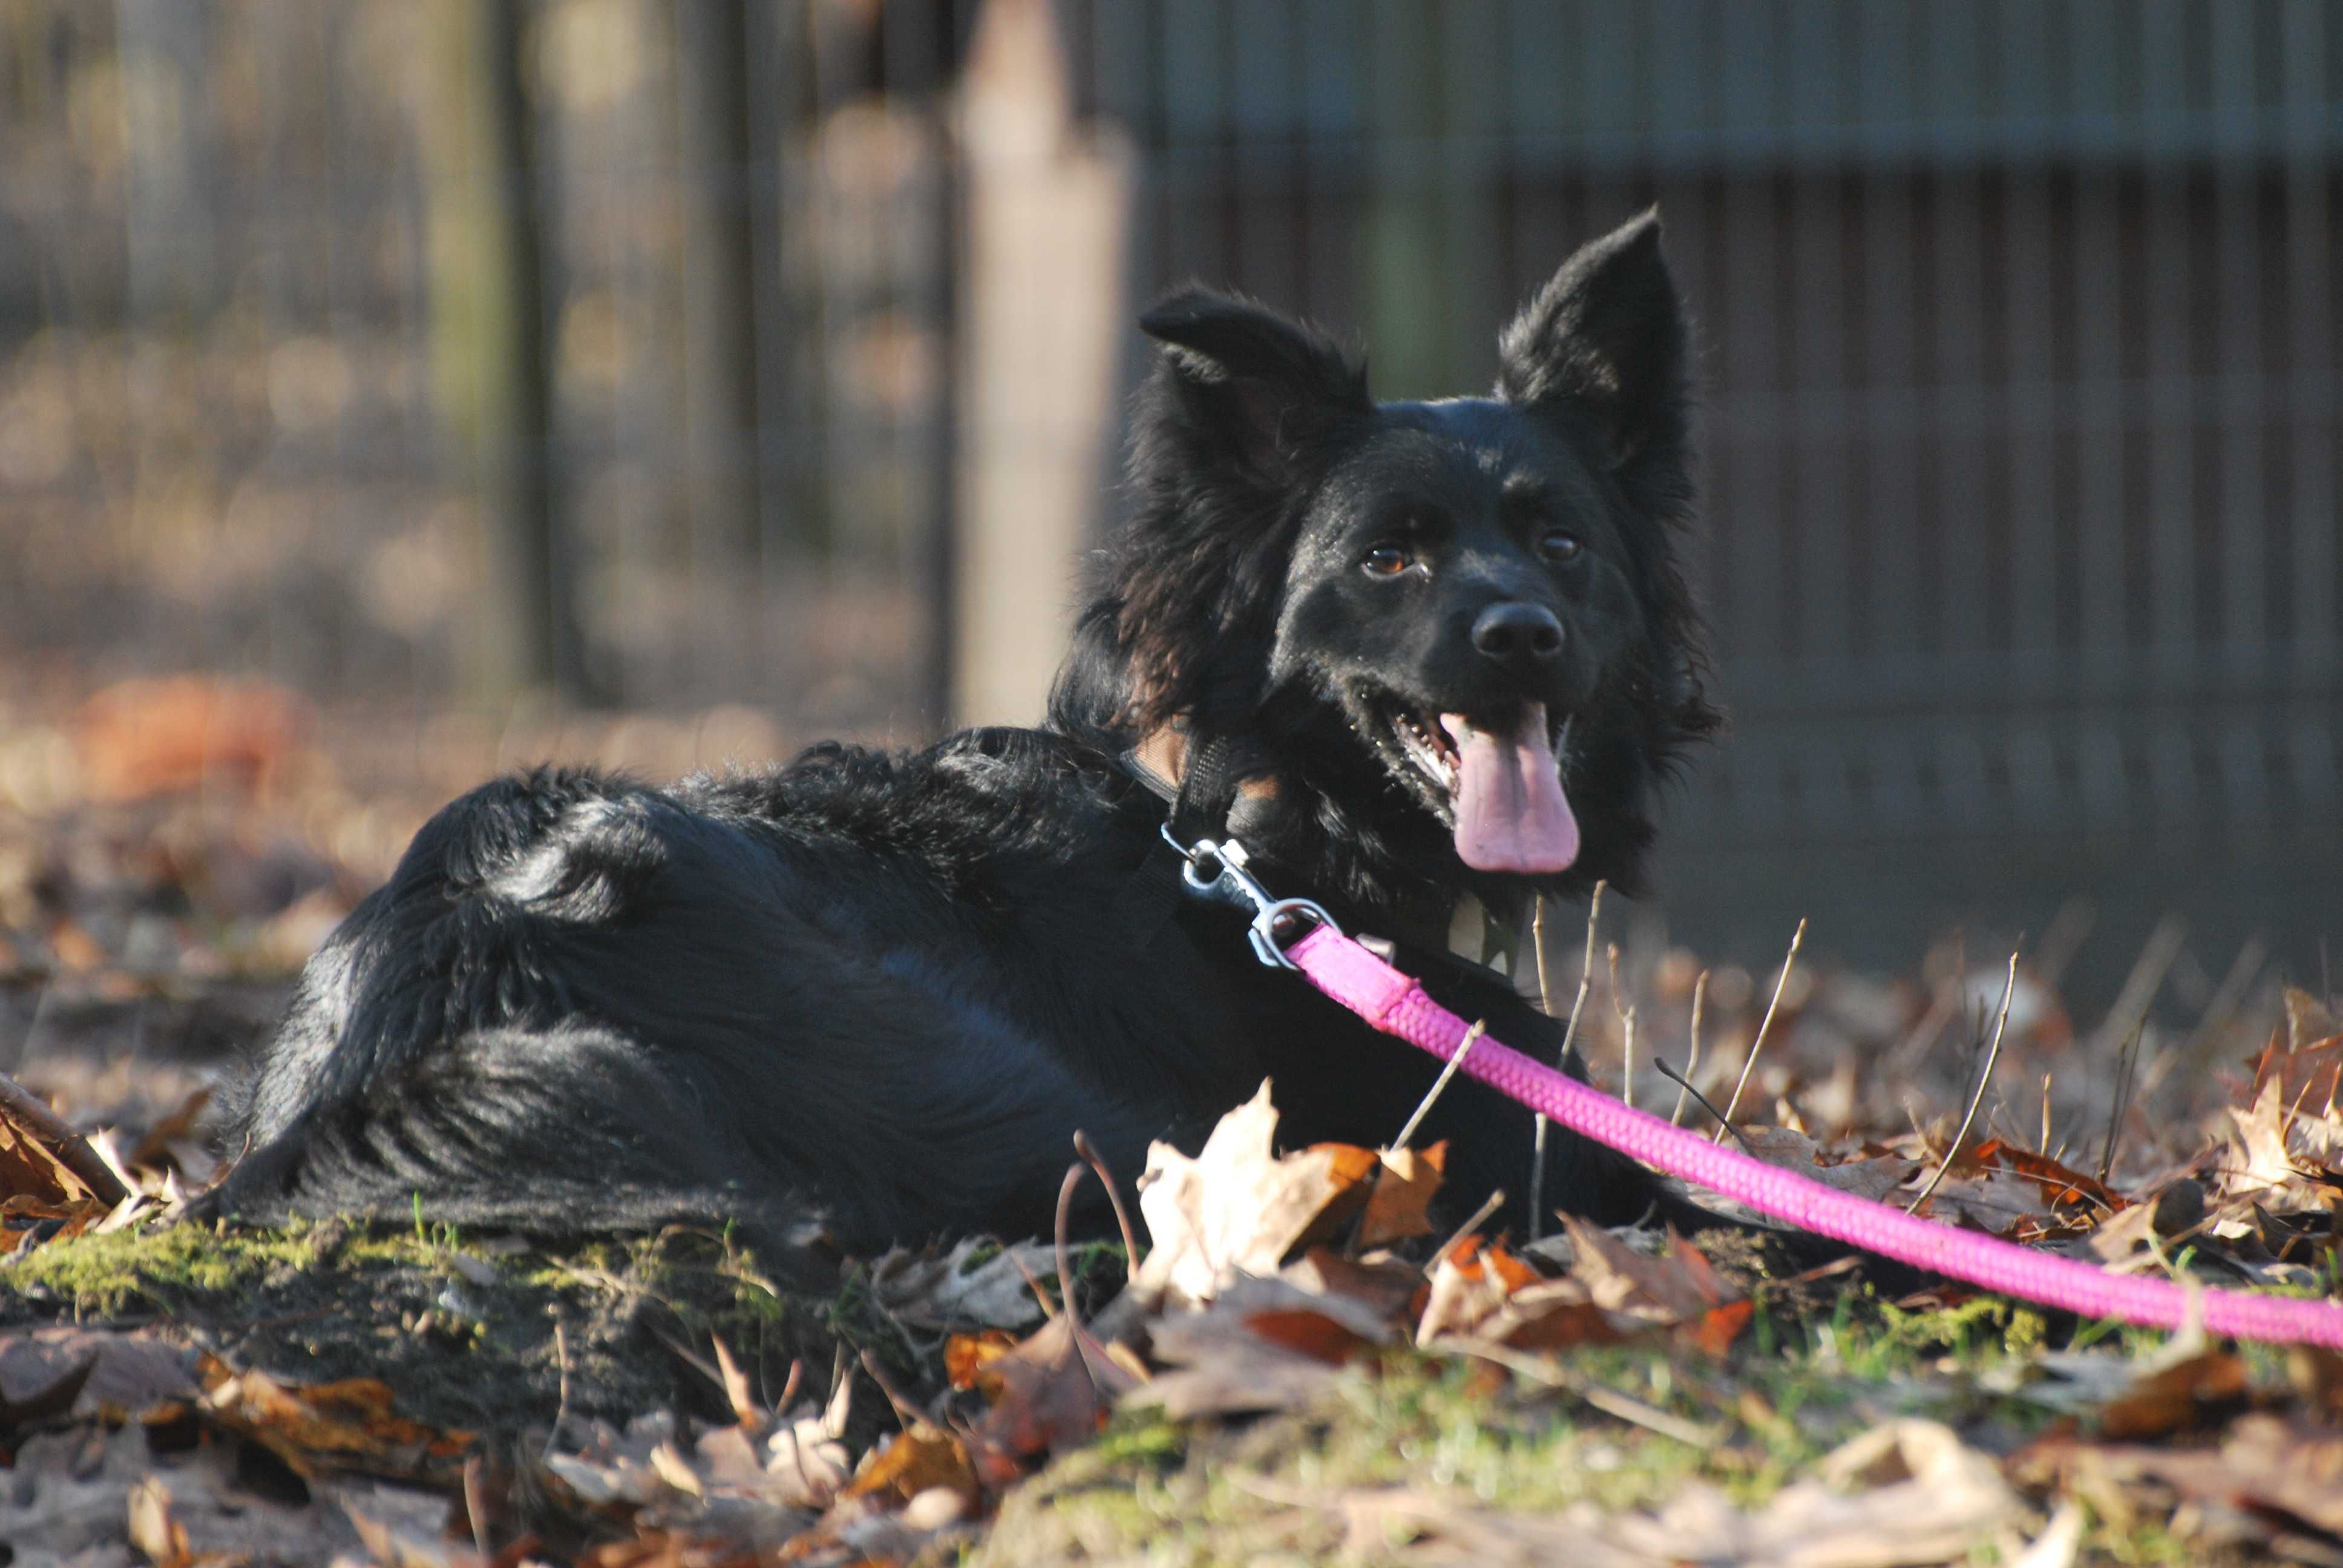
(475, 1500)
(1086, 1345)
(1692, 1064)
(22, 1106)
(907, 1414)
(1091, 1156)
(2127, 1072)
(1448, 1071)
(1489, 1206)
(1569, 1038)
(1627, 1011)
(1968, 1118)
(1684, 1086)
(561, 1405)
(1780, 981)
(1048, 1308)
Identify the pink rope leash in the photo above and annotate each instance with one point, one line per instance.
(1394, 1003)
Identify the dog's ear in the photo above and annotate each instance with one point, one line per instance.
(1249, 381)
(1605, 339)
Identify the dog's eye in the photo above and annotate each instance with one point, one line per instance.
(1555, 545)
(1385, 561)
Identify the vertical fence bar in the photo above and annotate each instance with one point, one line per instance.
(2170, 404)
(2241, 524)
(2027, 408)
(2311, 393)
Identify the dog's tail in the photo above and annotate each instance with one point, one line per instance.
(545, 1132)
(439, 1057)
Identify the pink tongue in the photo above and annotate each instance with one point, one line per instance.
(1511, 813)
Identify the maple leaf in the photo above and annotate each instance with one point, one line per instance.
(1239, 1208)
(2256, 1165)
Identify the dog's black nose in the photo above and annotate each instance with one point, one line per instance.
(1522, 636)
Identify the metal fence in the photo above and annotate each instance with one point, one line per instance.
(2019, 329)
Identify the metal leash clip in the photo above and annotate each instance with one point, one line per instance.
(1216, 869)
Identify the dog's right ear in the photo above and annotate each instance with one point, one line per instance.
(1249, 381)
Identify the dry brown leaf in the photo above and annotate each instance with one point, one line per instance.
(30, 1168)
(1719, 1327)
(1385, 1287)
(1222, 1365)
(1399, 1203)
(913, 1461)
(1873, 1177)
(1619, 1279)
(955, 1290)
(1468, 1284)
(2265, 1462)
(2061, 1188)
(50, 1372)
(967, 1356)
(2187, 1396)
(2255, 1165)
(152, 1529)
(1238, 1207)
(319, 1427)
(1053, 1393)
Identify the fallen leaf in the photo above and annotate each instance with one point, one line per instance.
(913, 1461)
(1222, 1365)
(1054, 1393)
(1238, 1207)
(2185, 1397)
(1398, 1205)
(152, 1529)
(959, 1289)
(2061, 1188)
(967, 1356)
(1793, 1151)
(319, 1427)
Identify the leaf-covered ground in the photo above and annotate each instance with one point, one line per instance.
(1310, 1363)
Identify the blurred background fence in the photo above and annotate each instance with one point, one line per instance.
(431, 356)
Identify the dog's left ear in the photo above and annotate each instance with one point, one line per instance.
(1605, 339)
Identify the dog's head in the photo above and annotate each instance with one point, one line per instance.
(1456, 628)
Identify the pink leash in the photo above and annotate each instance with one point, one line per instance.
(1394, 1003)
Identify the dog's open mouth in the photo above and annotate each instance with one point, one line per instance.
(1501, 788)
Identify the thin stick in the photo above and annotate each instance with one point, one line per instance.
(561, 1406)
(2044, 1145)
(1692, 1065)
(1489, 1206)
(1627, 1027)
(1537, 950)
(1992, 1055)
(1448, 1071)
(1569, 1038)
(907, 1414)
(1085, 1345)
(1684, 1086)
(1089, 1152)
(22, 1106)
(475, 1500)
(1780, 981)
(2127, 1068)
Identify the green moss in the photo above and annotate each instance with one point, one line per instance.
(106, 1275)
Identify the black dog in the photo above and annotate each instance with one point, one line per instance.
(1402, 652)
